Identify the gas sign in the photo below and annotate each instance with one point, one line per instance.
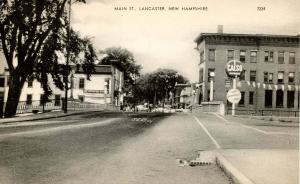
(234, 68)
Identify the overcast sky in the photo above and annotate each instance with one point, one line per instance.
(166, 39)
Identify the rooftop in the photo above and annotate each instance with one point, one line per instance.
(99, 69)
(202, 36)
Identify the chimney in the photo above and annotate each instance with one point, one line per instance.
(220, 29)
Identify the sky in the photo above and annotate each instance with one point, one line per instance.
(165, 39)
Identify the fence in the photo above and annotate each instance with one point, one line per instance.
(265, 112)
(75, 105)
(37, 106)
(50, 105)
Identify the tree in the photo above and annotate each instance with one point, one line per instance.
(33, 34)
(123, 59)
(157, 85)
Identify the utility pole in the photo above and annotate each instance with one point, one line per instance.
(68, 58)
(134, 92)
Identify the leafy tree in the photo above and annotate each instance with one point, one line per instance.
(33, 34)
(123, 59)
(156, 86)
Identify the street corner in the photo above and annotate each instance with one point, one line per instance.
(249, 166)
(230, 171)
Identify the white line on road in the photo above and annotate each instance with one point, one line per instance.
(60, 128)
(250, 127)
(245, 126)
(207, 132)
(221, 117)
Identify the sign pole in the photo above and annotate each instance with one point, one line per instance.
(234, 68)
(211, 94)
(233, 104)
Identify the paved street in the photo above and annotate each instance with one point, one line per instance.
(121, 148)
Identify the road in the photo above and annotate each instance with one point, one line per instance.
(121, 148)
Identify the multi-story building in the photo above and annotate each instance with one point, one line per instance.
(270, 77)
(104, 87)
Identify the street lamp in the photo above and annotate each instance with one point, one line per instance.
(211, 92)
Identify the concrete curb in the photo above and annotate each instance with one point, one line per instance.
(284, 119)
(235, 175)
(7, 121)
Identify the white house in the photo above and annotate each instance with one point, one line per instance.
(104, 87)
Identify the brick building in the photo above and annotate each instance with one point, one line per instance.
(271, 63)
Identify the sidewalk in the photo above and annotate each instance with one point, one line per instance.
(41, 116)
(253, 166)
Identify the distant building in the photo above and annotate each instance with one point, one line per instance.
(185, 95)
(270, 79)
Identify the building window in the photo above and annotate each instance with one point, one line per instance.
(269, 56)
(252, 76)
(230, 55)
(81, 83)
(280, 77)
(268, 98)
(30, 81)
(2, 82)
(291, 77)
(211, 54)
(281, 57)
(242, 101)
(81, 98)
(57, 100)
(292, 58)
(242, 76)
(268, 77)
(253, 56)
(279, 98)
(201, 56)
(29, 99)
(242, 56)
(290, 99)
(251, 97)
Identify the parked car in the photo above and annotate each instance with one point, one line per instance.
(142, 108)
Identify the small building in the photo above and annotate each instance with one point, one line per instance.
(270, 78)
(104, 87)
(185, 95)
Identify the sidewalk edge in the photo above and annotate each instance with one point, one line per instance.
(44, 118)
(234, 174)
